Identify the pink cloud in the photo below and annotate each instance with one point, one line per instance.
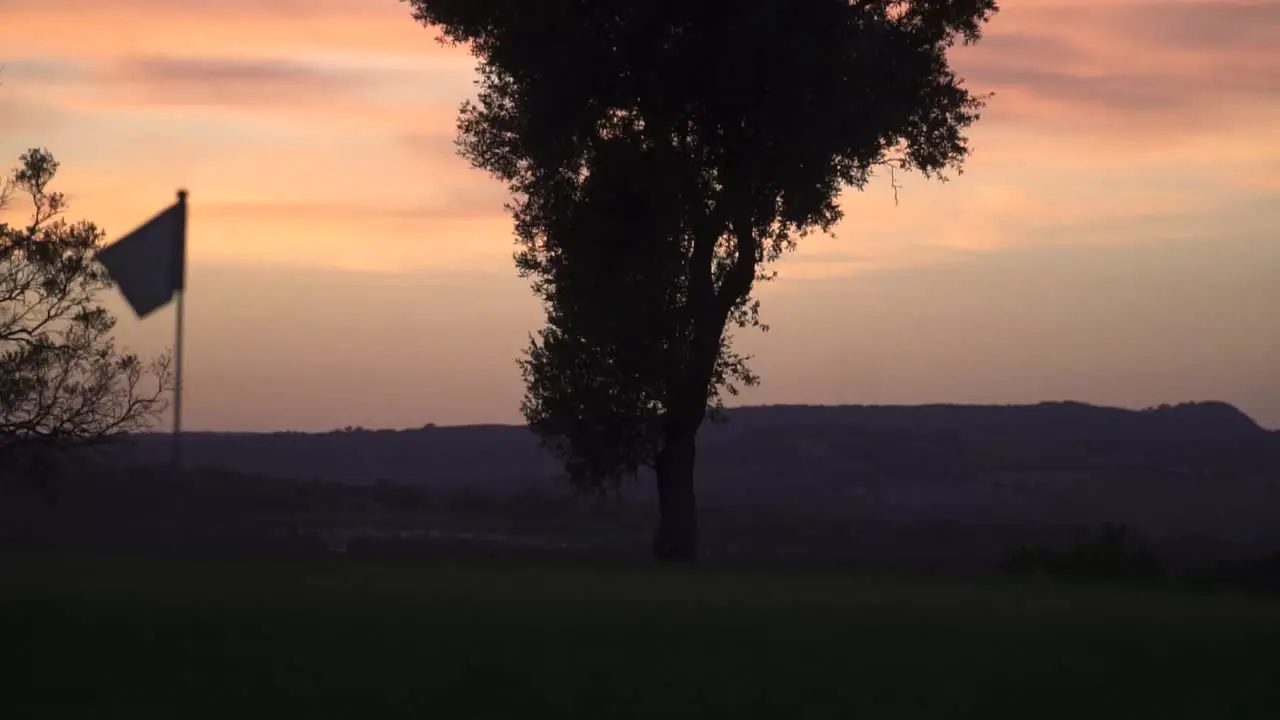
(453, 206)
(281, 27)
(1098, 104)
(1164, 67)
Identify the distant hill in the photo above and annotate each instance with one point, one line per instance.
(779, 454)
(1060, 420)
(933, 476)
(792, 439)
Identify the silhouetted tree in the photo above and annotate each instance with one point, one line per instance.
(661, 153)
(63, 382)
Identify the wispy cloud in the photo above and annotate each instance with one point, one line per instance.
(220, 81)
(27, 117)
(1117, 67)
(461, 207)
(248, 82)
(88, 28)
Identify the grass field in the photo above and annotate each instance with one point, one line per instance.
(340, 636)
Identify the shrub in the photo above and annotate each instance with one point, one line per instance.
(1111, 554)
(1261, 574)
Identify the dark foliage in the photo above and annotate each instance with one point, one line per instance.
(661, 154)
(64, 384)
(1258, 574)
(1112, 554)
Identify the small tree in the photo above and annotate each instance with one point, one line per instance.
(661, 154)
(63, 382)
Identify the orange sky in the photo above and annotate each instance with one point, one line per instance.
(1115, 239)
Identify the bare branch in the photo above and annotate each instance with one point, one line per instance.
(894, 164)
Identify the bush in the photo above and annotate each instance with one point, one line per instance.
(1112, 554)
(1260, 574)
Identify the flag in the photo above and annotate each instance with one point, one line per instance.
(149, 264)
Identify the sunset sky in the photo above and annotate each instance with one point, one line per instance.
(1115, 238)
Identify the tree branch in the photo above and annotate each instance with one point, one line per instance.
(63, 382)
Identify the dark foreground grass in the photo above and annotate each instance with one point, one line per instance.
(98, 636)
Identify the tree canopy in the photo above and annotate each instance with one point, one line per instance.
(661, 155)
(63, 382)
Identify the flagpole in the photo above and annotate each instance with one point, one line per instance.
(177, 340)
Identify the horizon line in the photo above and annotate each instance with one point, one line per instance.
(763, 406)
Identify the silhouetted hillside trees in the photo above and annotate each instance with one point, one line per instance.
(1113, 553)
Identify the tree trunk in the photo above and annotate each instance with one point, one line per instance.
(677, 537)
(686, 404)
